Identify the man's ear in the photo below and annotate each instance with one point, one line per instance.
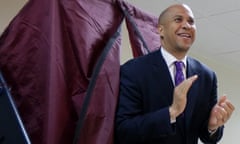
(160, 30)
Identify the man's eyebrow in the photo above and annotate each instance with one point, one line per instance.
(177, 15)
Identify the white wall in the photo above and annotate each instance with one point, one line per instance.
(8, 9)
(228, 83)
(227, 77)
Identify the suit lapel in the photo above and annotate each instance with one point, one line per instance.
(162, 74)
(192, 94)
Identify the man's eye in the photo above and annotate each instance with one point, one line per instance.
(178, 20)
(191, 22)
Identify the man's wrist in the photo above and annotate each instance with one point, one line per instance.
(212, 131)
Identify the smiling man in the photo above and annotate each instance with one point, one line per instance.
(167, 97)
(177, 30)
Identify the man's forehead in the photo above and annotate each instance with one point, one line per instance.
(174, 10)
(180, 10)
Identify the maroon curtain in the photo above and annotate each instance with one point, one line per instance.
(146, 23)
(47, 56)
(48, 53)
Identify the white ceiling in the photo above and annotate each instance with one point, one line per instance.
(218, 31)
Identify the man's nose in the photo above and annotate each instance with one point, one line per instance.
(186, 25)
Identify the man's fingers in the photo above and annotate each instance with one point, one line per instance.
(224, 109)
(226, 104)
(188, 83)
(192, 78)
(222, 99)
(230, 105)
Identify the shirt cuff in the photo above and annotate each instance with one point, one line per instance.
(211, 132)
(173, 120)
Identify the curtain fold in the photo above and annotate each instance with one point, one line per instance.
(146, 24)
(47, 56)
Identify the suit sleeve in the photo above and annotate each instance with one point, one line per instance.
(132, 124)
(205, 135)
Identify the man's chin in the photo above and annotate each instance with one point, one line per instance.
(185, 48)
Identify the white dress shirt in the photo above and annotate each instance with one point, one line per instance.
(170, 59)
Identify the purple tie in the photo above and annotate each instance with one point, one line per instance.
(179, 77)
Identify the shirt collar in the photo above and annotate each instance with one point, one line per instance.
(170, 59)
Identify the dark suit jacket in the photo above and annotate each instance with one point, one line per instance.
(146, 91)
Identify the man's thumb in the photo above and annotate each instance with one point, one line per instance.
(222, 99)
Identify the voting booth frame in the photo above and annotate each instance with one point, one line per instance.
(12, 130)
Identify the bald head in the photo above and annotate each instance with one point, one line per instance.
(164, 15)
